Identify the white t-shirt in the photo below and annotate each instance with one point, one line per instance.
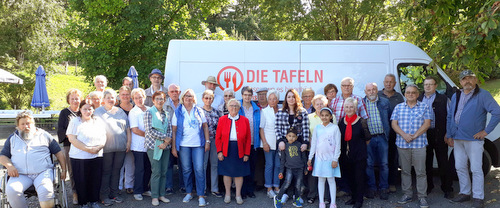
(136, 120)
(90, 133)
(267, 123)
(192, 127)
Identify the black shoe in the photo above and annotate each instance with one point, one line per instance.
(448, 195)
(310, 200)
(243, 196)
(461, 198)
(251, 195)
(370, 194)
(357, 205)
(384, 194)
(350, 202)
(429, 190)
(217, 194)
(477, 203)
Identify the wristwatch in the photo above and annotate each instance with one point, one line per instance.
(208, 141)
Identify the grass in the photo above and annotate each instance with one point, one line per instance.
(59, 84)
(493, 86)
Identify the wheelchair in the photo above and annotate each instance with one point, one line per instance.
(60, 199)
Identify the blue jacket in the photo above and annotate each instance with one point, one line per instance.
(384, 108)
(180, 125)
(256, 123)
(473, 118)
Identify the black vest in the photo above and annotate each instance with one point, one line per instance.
(439, 106)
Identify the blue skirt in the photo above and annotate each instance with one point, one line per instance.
(232, 165)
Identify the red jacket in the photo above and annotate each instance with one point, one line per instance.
(242, 132)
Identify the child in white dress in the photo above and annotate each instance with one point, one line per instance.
(326, 146)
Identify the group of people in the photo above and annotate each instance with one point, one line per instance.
(129, 141)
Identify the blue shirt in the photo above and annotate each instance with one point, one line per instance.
(410, 119)
(461, 104)
(374, 121)
(429, 100)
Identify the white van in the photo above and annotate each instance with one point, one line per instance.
(282, 65)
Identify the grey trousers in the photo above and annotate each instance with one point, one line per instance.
(415, 157)
(214, 175)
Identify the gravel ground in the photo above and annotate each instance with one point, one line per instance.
(435, 199)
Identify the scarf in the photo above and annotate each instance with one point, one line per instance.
(161, 125)
(348, 129)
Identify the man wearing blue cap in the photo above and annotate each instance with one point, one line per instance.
(465, 130)
(156, 77)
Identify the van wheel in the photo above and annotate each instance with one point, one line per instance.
(486, 163)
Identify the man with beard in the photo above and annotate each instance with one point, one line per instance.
(465, 130)
(27, 156)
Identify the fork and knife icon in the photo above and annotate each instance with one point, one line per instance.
(227, 79)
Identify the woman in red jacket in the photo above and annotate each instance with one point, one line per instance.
(232, 140)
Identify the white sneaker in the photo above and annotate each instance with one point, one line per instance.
(164, 199)
(155, 202)
(284, 198)
(187, 198)
(271, 194)
(147, 193)
(138, 197)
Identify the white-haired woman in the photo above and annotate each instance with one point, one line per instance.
(142, 169)
(268, 140)
(233, 149)
(191, 141)
(212, 116)
(118, 139)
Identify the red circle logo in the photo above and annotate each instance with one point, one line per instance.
(230, 77)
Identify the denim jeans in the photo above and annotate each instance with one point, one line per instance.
(192, 158)
(170, 173)
(272, 169)
(142, 172)
(298, 175)
(377, 154)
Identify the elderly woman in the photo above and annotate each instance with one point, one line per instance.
(127, 171)
(228, 95)
(319, 101)
(118, 138)
(355, 137)
(142, 166)
(27, 156)
(73, 98)
(158, 134)
(292, 115)
(307, 96)
(191, 139)
(233, 149)
(330, 91)
(268, 140)
(252, 112)
(96, 98)
(212, 116)
(88, 137)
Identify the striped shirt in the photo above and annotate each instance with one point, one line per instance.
(410, 120)
(152, 134)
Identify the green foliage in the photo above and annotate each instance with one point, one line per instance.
(457, 34)
(59, 84)
(113, 35)
(15, 96)
(493, 86)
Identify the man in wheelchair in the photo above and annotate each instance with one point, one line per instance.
(27, 157)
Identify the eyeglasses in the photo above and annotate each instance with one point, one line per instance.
(155, 77)
(188, 96)
(160, 99)
(346, 86)
(247, 95)
(429, 85)
(228, 96)
(233, 106)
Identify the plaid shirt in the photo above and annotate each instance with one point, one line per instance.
(212, 120)
(337, 105)
(153, 134)
(374, 122)
(410, 120)
(300, 122)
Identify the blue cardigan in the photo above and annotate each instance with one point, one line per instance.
(473, 118)
(180, 125)
(256, 123)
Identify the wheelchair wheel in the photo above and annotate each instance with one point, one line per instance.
(3, 196)
(61, 199)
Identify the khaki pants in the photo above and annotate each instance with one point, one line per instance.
(415, 157)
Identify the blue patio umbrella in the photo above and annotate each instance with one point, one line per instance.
(132, 73)
(40, 97)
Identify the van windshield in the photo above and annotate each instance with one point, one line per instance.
(415, 73)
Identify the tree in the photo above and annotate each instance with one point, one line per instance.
(457, 34)
(117, 34)
(30, 36)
